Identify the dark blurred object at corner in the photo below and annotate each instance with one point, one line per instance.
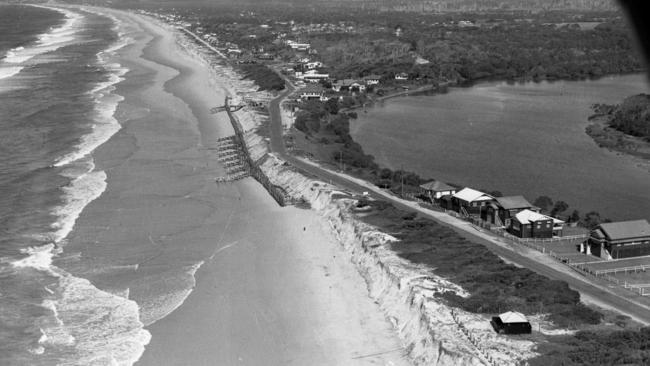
(638, 14)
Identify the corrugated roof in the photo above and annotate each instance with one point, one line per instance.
(626, 229)
(528, 216)
(437, 186)
(512, 202)
(513, 317)
(470, 195)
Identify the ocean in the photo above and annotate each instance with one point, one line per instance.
(57, 105)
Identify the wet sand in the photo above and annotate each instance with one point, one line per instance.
(273, 286)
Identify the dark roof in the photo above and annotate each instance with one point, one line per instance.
(437, 186)
(312, 88)
(512, 202)
(626, 229)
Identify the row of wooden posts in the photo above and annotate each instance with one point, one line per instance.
(277, 192)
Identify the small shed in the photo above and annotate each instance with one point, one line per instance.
(511, 322)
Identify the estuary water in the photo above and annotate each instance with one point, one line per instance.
(524, 138)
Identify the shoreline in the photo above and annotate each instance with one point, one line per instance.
(611, 139)
(253, 283)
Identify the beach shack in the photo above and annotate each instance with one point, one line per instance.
(435, 189)
(501, 211)
(531, 224)
(511, 322)
(614, 240)
(469, 201)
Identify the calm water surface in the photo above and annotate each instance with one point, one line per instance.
(516, 138)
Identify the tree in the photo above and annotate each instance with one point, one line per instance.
(575, 216)
(591, 220)
(559, 207)
(332, 106)
(543, 202)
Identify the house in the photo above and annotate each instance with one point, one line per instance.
(401, 76)
(266, 56)
(312, 91)
(234, 52)
(436, 189)
(531, 224)
(313, 65)
(372, 79)
(614, 240)
(503, 209)
(511, 322)
(299, 46)
(470, 201)
(312, 76)
(348, 84)
(398, 31)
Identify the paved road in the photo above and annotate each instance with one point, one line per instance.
(579, 283)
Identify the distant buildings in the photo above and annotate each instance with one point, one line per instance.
(401, 76)
(298, 46)
(616, 240)
(398, 31)
(372, 79)
(312, 92)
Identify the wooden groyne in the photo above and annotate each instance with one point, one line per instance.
(253, 167)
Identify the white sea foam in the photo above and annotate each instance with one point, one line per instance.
(7, 72)
(79, 193)
(105, 124)
(47, 42)
(177, 288)
(101, 328)
(39, 258)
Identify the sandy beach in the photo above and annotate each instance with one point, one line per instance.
(254, 283)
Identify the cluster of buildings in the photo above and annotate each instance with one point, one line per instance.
(613, 240)
(512, 213)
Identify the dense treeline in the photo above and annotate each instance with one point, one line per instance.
(508, 50)
(264, 77)
(633, 116)
(499, 44)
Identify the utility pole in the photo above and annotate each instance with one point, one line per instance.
(341, 159)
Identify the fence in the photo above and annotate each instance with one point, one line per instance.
(277, 192)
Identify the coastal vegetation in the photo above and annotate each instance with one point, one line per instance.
(494, 285)
(622, 347)
(632, 117)
(624, 127)
(263, 76)
(497, 287)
